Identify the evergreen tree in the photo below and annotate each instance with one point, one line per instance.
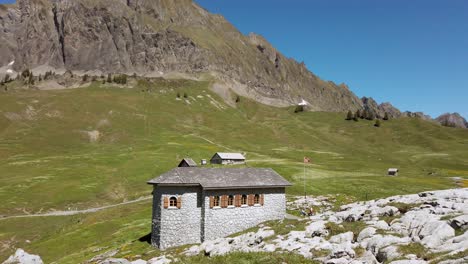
(109, 78)
(26, 73)
(357, 114)
(178, 95)
(85, 78)
(377, 123)
(349, 116)
(237, 99)
(31, 78)
(185, 95)
(386, 116)
(6, 79)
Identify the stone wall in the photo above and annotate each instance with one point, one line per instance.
(221, 222)
(172, 226)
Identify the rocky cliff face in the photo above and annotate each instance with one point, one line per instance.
(452, 120)
(379, 111)
(158, 37)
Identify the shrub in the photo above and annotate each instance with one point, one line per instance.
(237, 99)
(178, 95)
(85, 78)
(299, 108)
(185, 95)
(109, 78)
(349, 116)
(377, 123)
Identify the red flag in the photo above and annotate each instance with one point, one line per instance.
(306, 160)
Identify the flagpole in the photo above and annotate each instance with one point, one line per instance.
(303, 178)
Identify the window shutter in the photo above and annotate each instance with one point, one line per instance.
(262, 199)
(166, 202)
(237, 199)
(211, 201)
(250, 199)
(179, 202)
(224, 201)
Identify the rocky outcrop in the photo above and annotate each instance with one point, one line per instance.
(379, 111)
(419, 115)
(155, 38)
(452, 120)
(22, 257)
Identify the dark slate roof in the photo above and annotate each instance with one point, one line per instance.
(189, 161)
(221, 178)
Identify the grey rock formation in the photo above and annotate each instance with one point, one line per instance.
(158, 37)
(452, 120)
(379, 111)
(419, 115)
(22, 257)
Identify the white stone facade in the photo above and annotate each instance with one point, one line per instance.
(195, 221)
(172, 226)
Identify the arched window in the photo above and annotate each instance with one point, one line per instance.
(230, 200)
(257, 199)
(173, 201)
(216, 201)
(244, 199)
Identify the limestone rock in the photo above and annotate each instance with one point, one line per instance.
(316, 229)
(21, 257)
(114, 261)
(460, 222)
(452, 120)
(366, 233)
(159, 260)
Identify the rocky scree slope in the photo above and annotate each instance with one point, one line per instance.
(428, 227)
(152, 37)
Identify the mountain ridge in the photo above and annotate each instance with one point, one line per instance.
(162, 37)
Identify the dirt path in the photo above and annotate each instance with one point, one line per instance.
(75, 212)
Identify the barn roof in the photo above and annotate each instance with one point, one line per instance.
(221, 178)
(230, 156)
(189, 161)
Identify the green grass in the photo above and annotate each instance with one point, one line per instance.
(47, 161)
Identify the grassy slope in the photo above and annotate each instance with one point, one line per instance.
(47, 161)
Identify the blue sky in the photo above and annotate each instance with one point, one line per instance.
(413, 54)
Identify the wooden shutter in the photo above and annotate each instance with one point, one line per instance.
(250, 199)
(211, 201)
(166, 202)
(262, 199)
(224, 201)
(237, 200)
(179, 202)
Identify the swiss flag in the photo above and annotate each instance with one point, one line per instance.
(306, 160)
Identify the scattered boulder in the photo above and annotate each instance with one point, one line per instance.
(159, 260)
(22, 257)
(115, 261)
(459, 222)
(317, 229)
